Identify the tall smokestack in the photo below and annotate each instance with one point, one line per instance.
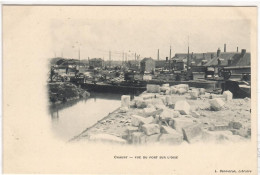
(188, 59)
(243, 52)
(218, 52)
(170, 52)
(237, 49)
(225, 47)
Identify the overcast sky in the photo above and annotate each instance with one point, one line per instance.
(144, 31)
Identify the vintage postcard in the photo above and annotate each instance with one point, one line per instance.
(129, 89)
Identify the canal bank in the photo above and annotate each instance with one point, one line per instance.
(174, 115)
(61, 92)
(72, 117)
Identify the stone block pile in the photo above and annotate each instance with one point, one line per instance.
(164, 120)
(166, 114)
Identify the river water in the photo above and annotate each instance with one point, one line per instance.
(71, 118)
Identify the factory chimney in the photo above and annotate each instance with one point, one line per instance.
(237, 49)
(225, 47)
(218, 52)
(243, 52)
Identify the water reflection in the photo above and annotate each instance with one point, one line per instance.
(73, 117)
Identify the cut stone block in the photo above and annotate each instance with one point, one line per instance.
(164, 88)
(156, 101)
(179, 123)
(132, 104)
(125, 101)
(216, 136)
(235, 125)
(156, 119)
(123, 109)
(173, 139)
(194, 94)
(160, 106)
(243, 132)
(128, 132)
(183, 107)
(106, 138)
(147, 96)
(168, 114)
(216, 104)
(160, 98)
(202, 91)
(184, 86)
(150, 106)
(131, 129)
(206, 95)
(151, 88)
(136, 99)
(195, 114)
(181, 91)
(166, 85)
(213, 96)
(220, 127)
(175, 114)
(152, 112)
(141, 103)
(149, 111)
(138, 120)
(150, 129)
(168, 130)
(169, 100)
(228, 95)
(191, 132)
(137, 137)
(152, 138)
(149, 120)
(173, 90)
(168, 92)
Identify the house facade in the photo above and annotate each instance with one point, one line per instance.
(147, 65)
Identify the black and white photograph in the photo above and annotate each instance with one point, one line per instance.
(133, 81)
(129, 84)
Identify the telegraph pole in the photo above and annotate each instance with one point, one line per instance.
(170, 52)
(170, 57)
(188, 59)
(158, 55)
(109, 58)
(123, 58)
(79, 56)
